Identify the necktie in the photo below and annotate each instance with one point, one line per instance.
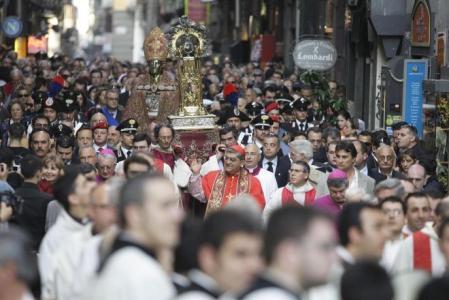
(301, 126)
(100, 150)
(128, 153)
(270, 166)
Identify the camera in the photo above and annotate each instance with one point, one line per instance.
(12, 200)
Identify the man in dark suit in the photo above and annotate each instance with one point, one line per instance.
(315, 136)
(386, 160)
(127, 129)
(32, 217)
(300, 110)
(272, 161)
(112, 111)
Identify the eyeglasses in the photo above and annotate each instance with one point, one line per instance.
(23, 95)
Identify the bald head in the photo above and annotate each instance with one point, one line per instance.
(417, 174)
(252, 156)
(102, 211)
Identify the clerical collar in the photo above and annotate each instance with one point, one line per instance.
(81, 221)
(202, 282)
(254, 171)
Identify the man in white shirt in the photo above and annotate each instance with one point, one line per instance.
(394, 210)
(266, 178)
(60, 249)
(150, 227)
(421, 250)
(346, 154)
(417, 212)
(299, 253)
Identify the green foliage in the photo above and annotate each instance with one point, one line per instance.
(320, 87)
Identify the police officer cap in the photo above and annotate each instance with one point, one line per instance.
(68, 101)
(262, 122)
(254, 108)
(129, 125)
(300, 104)
(58, 130)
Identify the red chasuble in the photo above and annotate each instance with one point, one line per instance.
(166, 157)
(219, 188)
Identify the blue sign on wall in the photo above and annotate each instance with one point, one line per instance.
(415, 72)
(12, 27)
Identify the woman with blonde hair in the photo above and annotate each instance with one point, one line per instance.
(53, 169)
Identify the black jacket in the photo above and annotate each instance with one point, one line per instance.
(34, 211)
(281, 172)
(378, 177)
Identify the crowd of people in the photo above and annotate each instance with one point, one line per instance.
(295, 201)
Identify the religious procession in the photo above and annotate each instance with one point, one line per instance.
(196, 178)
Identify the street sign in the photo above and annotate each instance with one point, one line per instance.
(12, 27)
(315, 55)
(415, 72)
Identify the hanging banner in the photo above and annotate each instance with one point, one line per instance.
(196, 10)
(415, 72)
(421, 18)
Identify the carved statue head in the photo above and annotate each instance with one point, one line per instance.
(156, 66)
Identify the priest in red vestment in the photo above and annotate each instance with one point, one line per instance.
(218, 188)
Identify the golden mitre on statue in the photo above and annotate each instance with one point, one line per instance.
(155, 45)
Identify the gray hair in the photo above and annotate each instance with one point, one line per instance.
(391, 184)
(85, 147)
(107, 156)
(15, 247)
(302, 147)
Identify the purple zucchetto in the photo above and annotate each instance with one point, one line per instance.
(337, 174)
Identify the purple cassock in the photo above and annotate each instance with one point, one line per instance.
(326, 204)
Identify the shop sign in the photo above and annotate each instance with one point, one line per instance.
(12, 27)
(415, 72)
(315, 55)
(421, 21)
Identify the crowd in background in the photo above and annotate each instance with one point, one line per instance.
(297, 199)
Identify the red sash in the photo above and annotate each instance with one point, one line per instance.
(422, 256)
(287, 197)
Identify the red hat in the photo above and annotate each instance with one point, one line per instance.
(271, 106)
(239, 149)
(101, 124)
